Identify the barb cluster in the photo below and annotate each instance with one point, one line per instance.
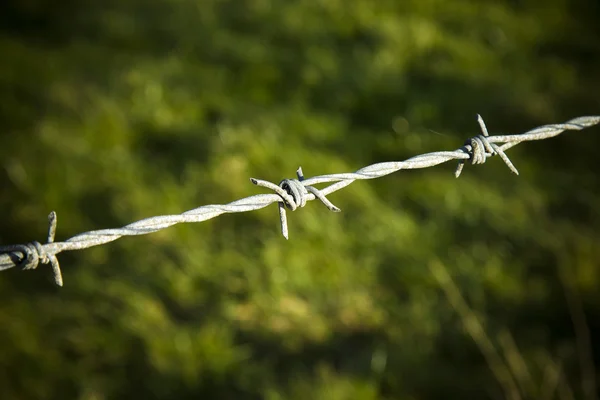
(29, 255)
(480, 148)
(294, 194)
(290, 193)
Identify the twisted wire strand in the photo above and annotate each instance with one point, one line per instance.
(290, 193)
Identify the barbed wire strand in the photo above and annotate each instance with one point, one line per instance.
(290, 193)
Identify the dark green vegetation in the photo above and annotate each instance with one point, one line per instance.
(424, 287)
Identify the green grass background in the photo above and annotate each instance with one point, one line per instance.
(424, 287)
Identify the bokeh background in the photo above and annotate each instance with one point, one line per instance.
(424, 287)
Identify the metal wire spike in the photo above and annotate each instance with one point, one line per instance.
(493, 147)
(294, 195)
(52, 221)
(29, 256)
(480, 148)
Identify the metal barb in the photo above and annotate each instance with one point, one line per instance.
(30, 255)
(291, 193)
(294, 194)
(480, 148)
(52, 221)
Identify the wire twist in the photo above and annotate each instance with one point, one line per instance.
(290, 193)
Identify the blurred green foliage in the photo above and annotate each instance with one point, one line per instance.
(424, 287)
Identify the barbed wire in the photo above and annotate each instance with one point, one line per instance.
(290, 193)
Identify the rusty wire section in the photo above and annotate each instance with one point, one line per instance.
(290, 193)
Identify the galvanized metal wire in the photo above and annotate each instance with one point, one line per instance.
(290, 193)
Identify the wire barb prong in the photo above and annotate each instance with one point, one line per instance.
(52, 221)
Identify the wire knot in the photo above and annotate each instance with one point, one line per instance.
(294, 195)
(480, 148)
(296, 190)
(479, 144)
(34, 253)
